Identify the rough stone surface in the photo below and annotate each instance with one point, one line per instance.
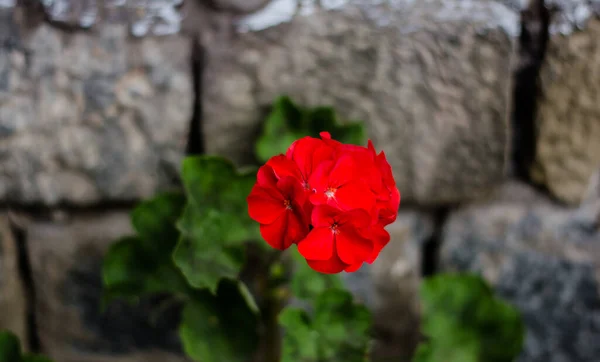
(12, 294)
(144, 17)
(568, 121)
(390, 287)
(66, 259)
(544, 259)
(431, 80)
(88, 117)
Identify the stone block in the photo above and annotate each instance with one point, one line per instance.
(66, 260)
(13, 305)
(568, 116)
(91, 116)
(431, 80)
(545, 260)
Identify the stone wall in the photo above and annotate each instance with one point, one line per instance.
(487, 109)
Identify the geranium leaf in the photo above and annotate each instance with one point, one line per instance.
(306, 283)
(35, 358)
(337, 331)
(10, 350)
(464, 321)
(10, 347)
(215, 222)
(219, 327)
(288, 122)
(139, 265)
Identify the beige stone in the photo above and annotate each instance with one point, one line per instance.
(13, 306)
(568, 120)
(431, 80)
(66, 259)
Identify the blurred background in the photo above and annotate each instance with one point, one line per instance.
(488, 111)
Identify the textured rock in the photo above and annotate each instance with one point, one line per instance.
(91, 116)
(431, 80)
(568, 120)
(154, 17)
(390, 287)
(66, 261)
(12, 294)
(542, 258)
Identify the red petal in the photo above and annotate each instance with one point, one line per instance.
(319, 199)
(318, 244)
(264, 205)
(353, 268)
(291, 189)
(355, 195)
(343, 172)
(332, 266)
(357, 218)
(320, 176)
(266, 177)
(351, 247)
(324, 216)
(380, 238)
(284, 167)
(325, 135)
(274, 234)
(297, 227)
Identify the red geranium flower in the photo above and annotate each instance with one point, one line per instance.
(331, 199)
(278, 205)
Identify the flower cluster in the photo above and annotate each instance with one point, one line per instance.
(331, 199)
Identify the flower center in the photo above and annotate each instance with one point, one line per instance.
(306, 185)
(287, 204)
(334, 228)
(330, 192)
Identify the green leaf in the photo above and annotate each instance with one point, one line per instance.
(306, 283)
(139, 265)
(215, 223)
(338, 330)
(10, 347)
(288, 122)
(301, 341)
(130, 271)
(154, 221)
(10, 350)
(466, 322)
(219, 328)
(35, 358)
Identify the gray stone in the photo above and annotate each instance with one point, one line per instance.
(66, 259)
(568, 116)
(390, 287)
(89, 117)
(13, 312)
(431, 80)
(542, 258)
(144, 17)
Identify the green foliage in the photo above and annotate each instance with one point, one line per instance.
(187, 244)
(288, 122)
(215, 223)
(221, 327)
(465, 322)
(10, 350)
(306, 283)
(336, 331)
(142, 264)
